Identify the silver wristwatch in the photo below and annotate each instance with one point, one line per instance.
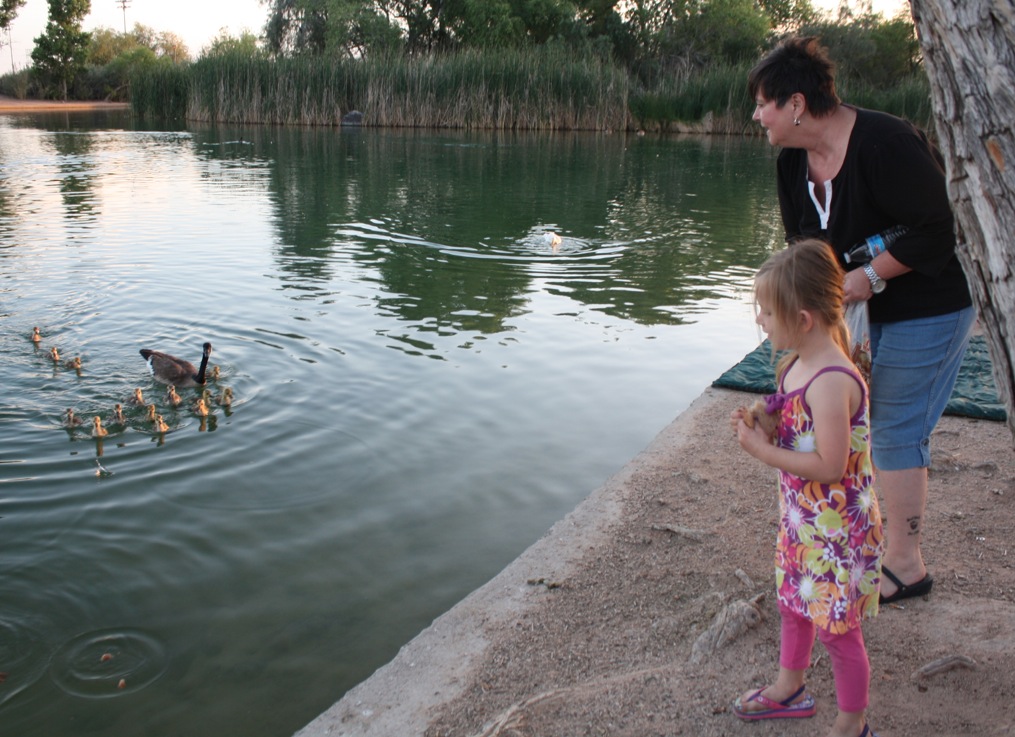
(877, 283)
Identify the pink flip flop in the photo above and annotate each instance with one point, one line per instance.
(784, 709)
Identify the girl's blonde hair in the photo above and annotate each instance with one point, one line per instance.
(804, 276)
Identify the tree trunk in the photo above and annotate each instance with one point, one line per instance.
(969, 52)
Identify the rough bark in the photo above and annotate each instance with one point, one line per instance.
(969, 53)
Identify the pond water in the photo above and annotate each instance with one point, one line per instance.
(439, 343)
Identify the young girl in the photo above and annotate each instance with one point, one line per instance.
(828, 551)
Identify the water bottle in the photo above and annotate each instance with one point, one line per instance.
(869, 247)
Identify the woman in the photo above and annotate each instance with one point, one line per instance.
(844, 174)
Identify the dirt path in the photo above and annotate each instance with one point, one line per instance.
(14, 105)
(607, 625)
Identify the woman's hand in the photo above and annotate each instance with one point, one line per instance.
(856, 287)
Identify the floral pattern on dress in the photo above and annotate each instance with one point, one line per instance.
(828, 551)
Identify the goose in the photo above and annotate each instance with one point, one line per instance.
(137, 398)
(98, 431)
(150, 413)
(226, 400)
(201, 408)
(171, 370)
(160, 424)
(54, 354)
(36, 335)
(215, 373)
(118, 417)
(71, 420)
(172, 397)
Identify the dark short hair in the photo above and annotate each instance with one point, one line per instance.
(797, 64)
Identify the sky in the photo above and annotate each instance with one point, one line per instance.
(197, 22)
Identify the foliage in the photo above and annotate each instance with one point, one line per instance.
(60, 52)
(160, 90)
(8, 12)
(224, 44)
(106, 44)
(869, 48)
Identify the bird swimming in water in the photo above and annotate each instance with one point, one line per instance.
(36, 335)
(160, 424)
(98, 431)
(74, 363)
(118, 418)
(150, 414)
(172, 370)
(201, 408)
(226, 400)
(137, 398)
(54, 354)
(71, 420)
(172, 397)
(215, 373)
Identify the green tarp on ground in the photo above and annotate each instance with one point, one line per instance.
(975, 393)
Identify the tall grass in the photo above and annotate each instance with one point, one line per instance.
(543, 88)
(160, 91)
(714, 100)
(539, 89)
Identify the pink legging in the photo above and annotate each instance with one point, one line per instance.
(850, 665)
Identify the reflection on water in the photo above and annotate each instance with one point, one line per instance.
(437, 344)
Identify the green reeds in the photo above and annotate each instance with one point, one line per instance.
(713, 100)
(907, 98)
(542, 88)
(160, 90)
(532, 89)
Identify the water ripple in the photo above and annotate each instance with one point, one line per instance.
(108, 663)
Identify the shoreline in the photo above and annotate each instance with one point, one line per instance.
(608, 623)
(14, 105)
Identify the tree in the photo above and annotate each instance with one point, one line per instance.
(244, 46)
(969, 54)
(60, 52)
(8, 12)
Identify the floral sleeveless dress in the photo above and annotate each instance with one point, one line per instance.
(828, 552)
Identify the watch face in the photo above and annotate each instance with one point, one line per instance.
(879, 286)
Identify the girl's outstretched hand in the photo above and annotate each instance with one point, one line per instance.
(736, 416)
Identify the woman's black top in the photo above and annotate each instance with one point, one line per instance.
(891, 175)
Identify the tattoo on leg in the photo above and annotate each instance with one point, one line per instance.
(914, 525)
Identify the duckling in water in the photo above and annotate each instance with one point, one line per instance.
(150, 413)
(172, 370)
(36, 335)
(160, 424)
(226, 400)
(215, 373)
(54, 354)
(118, 418)
(172, 397)
(71, 420)
(98, 431)
(137, 399)
(201, 408)
(74, 363)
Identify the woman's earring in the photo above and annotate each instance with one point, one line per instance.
(796, 121)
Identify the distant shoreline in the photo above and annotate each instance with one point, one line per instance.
(14, 105)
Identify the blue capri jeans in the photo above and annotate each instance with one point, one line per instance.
(914, 367)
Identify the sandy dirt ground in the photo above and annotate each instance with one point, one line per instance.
(14, 105)
(651, 607)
